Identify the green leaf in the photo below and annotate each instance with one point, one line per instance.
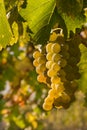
(5, 31)
(38, 15)
(70, 7)
(73, 22)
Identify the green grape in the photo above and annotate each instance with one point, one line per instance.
(49, 64)
(51, 73)
(35, 63)
(70, 76)
(73, 60)
(53, 93)
(62, 62)
(49, 56)
(65, 54)
(53, 37)
(41, 78)
(47, 107)
(74, 85)
(49, 100)
(55, 48)
(58, 102)
(75, 68)
(62, 73)
(68, 69)
(55, 79)
(48, 47)
(60, 39)
(77, 75)
(65, 97)
(55, 67)
(42, 59)
(74, 51)
(56, 57)
(59, 87)
(41, 68)
(56, 90)
(68, 89)
(65, 47)
(36, 54)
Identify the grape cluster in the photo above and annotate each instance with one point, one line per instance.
(58, 64)
(40, 64)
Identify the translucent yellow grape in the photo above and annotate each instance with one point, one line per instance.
(55, 79)
(53, 37)
(56, 57)
(41, 59)
(36, 54)
(41, 68)
(55, 67)
(56, 48)
(41, 78)
(49, 100)
(49, 56)
(52, 93)
(48, 47)
(35, 63)
(51, 73)
(49, 64)
(47, 107)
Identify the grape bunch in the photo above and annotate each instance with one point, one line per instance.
(40, 64)
(56, 66)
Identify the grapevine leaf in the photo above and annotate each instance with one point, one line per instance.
(5, 31)
(70, 7)
(38, 15)
(73, 23)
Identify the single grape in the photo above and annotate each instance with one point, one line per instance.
(55, 48)
(36, 54)
(41, 78)
(65, 47)
(48, 47)
(55, 67)
(53, 37)
(51, 73)
(65, 54)
(49, 56)
(60, 39)
(56, 57)
(55, 79)
(41, 68)
(58, 102)
(49, 100)
(73, 60)
(49, 64)
(74, 85)
(41, 59)
(35, 63)
(62, 62)
(68, 69)
(65, 97)
(53, 93)
(47, 107)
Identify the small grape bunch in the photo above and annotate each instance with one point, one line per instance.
(40, 64)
